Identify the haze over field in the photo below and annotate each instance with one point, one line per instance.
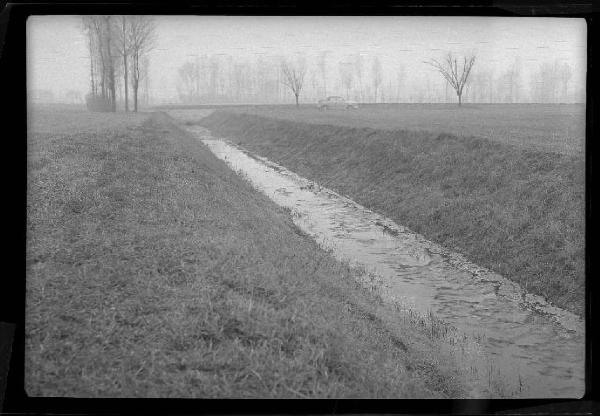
(238, 57)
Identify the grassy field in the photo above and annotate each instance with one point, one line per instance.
(153, 270)
(514, 209)
(557, 128)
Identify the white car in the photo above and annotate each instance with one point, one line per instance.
(336, 102)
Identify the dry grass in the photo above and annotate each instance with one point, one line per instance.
(517, 211)
(155, 271)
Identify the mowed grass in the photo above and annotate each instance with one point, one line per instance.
(517, 211)
(153, 270)
(548, 127)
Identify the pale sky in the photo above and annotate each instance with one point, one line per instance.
(58, 58)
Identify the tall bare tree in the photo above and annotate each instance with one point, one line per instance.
(565, 76)
(377, 76)
(109, 59)
(101, 35)
(400, 75)
(141, 39)
(293, 75)
(91, 33)
(314, 83)
(546, 83)
(123, 44)
(239, 80)
(456, 75)
(359, 68)
(347, 77)
(186, 81)
(322, 64)
(490, 82)
(516, 80)
(215, 74)
(146, 79)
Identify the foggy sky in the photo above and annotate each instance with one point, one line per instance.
(58, 58)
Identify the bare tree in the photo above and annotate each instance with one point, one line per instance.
(400, 75)
(100, 32)
(109, 59)
(215, 73)
(490, 82)
(546, 83)
(359, 68)
(504, 86)
(90, 32)
(111, 38)
(98, 44)
(346, 76)
(516, 80)
(141, 40)
(197, 76)
(119, 87)
(456, 76)
(202, 72)
(322, 64)
(146, 78)
(477, 90)
(264, 75)
(314, 82)
(293, 75)
(389, 97)
(565, 76)
(123, 44)
(508, 84)
(186, 81)
(377, 74)
(239, 79)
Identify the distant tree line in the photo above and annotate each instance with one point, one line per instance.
(549, 82)
(218, 78)
(274, 79)
(118, 48)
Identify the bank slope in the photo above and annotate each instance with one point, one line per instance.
(153, 270)
(519, 212)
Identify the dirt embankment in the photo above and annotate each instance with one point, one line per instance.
(519, 212)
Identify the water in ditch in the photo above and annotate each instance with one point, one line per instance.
(524, 339)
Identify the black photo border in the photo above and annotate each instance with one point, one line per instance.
(13, 109)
